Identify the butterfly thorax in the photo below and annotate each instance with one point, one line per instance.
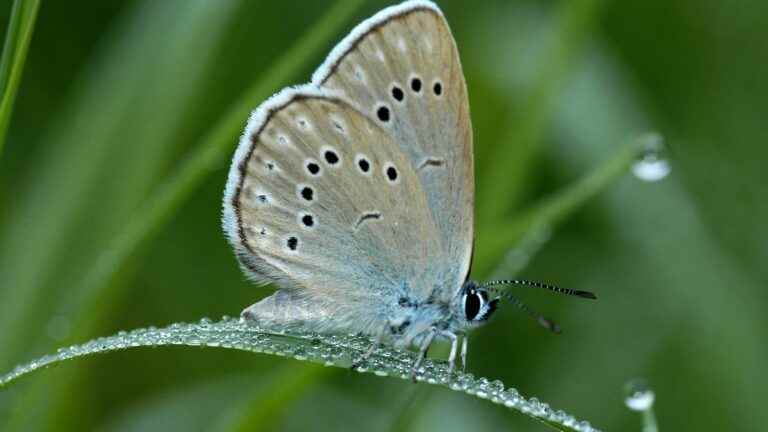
(412, 321)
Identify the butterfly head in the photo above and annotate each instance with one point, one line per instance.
(474, 305)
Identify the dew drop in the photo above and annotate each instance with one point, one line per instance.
(652, 166)
(639, 396)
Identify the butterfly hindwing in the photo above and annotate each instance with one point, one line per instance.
(323, 202)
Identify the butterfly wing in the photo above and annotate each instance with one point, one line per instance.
(404, 60)
(323, 202)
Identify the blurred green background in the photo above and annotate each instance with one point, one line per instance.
(117, 97)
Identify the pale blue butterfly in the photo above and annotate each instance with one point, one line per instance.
(354, 193)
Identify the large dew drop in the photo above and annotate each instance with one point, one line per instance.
(639, 396)
(652, 165)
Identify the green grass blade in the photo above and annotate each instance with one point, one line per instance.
(498, 238)
(575, 23)
(17, 40)
(330, 350)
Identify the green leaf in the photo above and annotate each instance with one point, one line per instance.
(17, 39)
(330, 350)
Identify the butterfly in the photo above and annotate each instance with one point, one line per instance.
(354, 193)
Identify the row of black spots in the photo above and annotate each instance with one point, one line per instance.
(333, 159)
(365, 167)
(416, 86)
(307, 221)
(329, 155)
(363, 164)
(384, 113)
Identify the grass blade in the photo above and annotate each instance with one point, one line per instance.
(330, 350)
(17, 40)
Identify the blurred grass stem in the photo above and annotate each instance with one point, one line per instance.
(17, 40)
(543, 216)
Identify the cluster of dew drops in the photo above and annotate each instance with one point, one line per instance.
(331, 350)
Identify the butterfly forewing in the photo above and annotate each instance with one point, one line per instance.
(325, 203)
(402, 69)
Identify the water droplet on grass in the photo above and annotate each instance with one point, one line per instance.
(653, 164)
(639, 396)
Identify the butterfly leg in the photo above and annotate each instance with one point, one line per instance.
(464, 353)
(369, 352)
(454, 349)
(423, 352)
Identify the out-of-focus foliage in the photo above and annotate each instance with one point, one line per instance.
(115, 95)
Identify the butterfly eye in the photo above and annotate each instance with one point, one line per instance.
(472, 303)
